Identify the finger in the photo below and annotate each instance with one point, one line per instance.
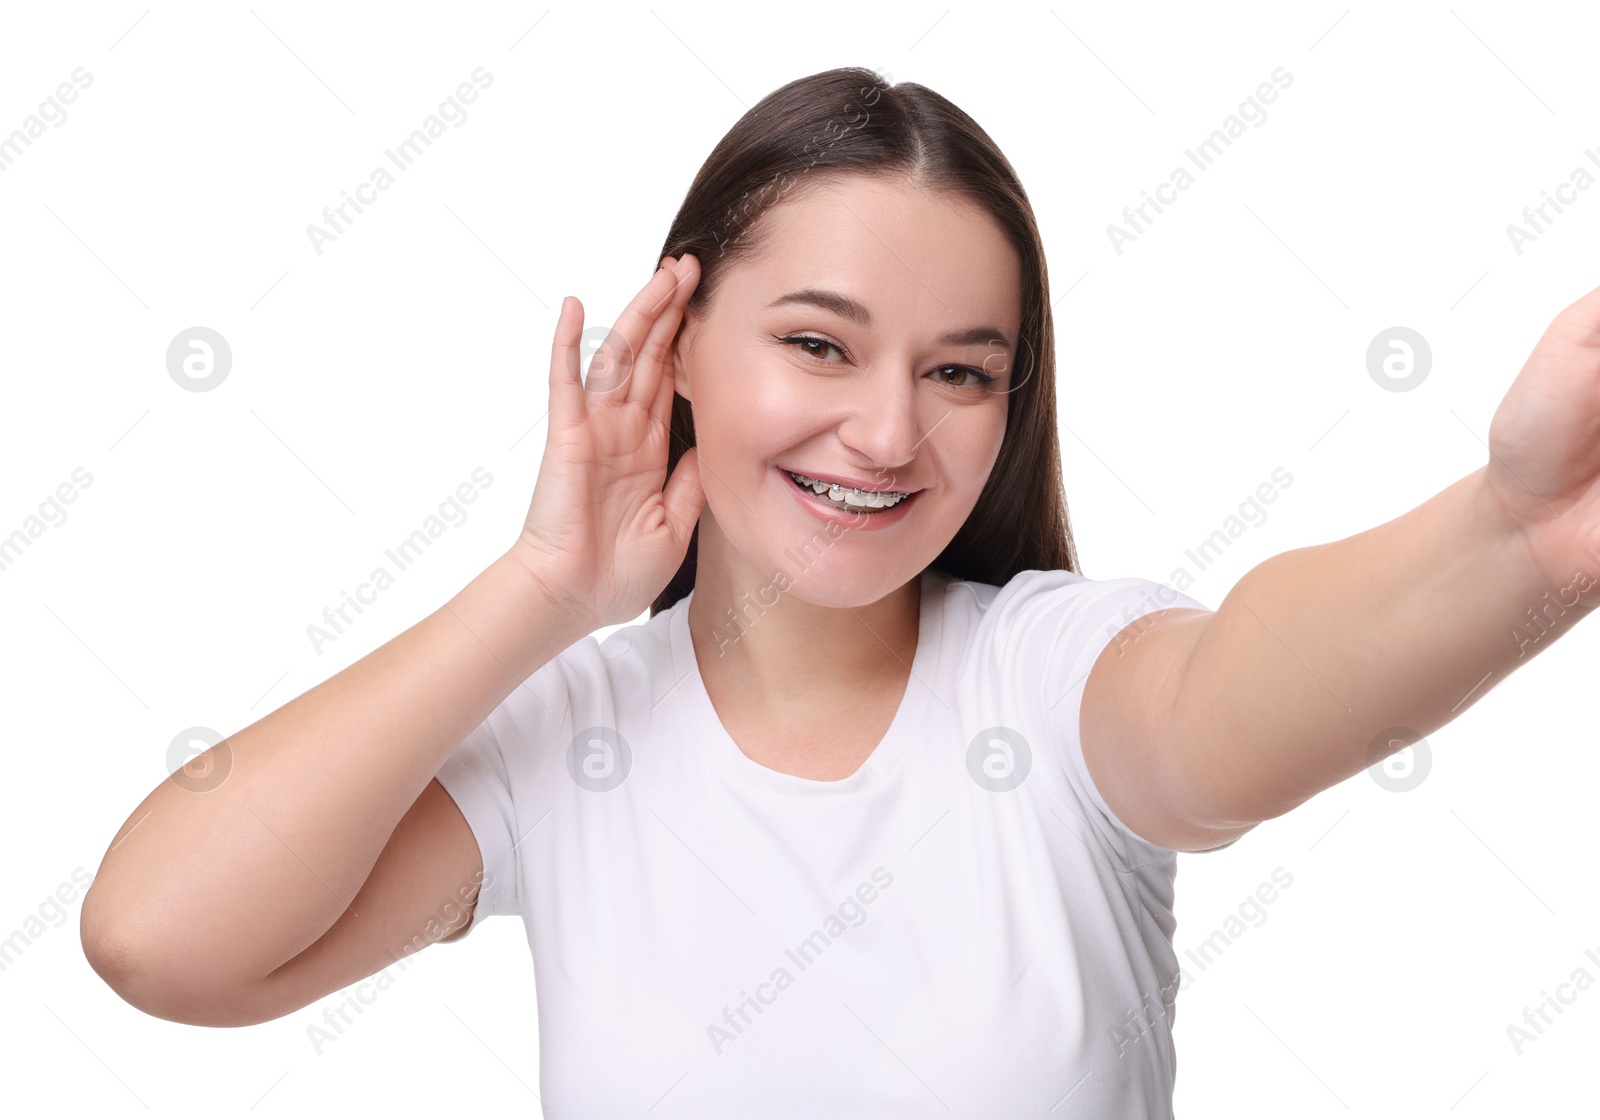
(684, 497)
(654, 360)
(612, 366)
(661, 407)
(566, 373)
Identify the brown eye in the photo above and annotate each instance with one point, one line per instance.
(971, 378)
(805, 342)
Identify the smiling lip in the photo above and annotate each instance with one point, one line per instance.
(852, 483)
(862, 521)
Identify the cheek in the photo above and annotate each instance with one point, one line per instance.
(969, 463)
(742, 404)
(753, 398)
(975, 447)
(995, 443)
(770, 387)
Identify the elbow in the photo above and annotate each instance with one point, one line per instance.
(110, 956)
(165, 994)
(157, 983)
(105, 944)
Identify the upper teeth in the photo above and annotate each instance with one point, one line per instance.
(867, 499)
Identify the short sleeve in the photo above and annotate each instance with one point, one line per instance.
(478, 780)
(1071, 620)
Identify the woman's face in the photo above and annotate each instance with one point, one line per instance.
(881, 397)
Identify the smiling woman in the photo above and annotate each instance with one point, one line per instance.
(869, 660)
(934, 794)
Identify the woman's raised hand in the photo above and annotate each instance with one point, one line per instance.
(1544, 448)
(603, 537)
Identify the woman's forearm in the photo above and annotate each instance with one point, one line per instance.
(223, 885)
(1321, 660)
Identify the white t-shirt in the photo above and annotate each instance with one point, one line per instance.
(961, 928)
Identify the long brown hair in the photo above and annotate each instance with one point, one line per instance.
(850, 121)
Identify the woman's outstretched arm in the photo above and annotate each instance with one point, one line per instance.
(1323, 660)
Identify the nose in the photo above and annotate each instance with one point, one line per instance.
(884, 422)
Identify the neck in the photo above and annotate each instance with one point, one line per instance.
(784, 647)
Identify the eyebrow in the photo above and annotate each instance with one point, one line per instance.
(845, 307)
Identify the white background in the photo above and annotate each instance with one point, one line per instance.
(370, 380)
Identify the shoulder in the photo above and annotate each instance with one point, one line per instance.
(603, 670)
(1052, 623)
(1050, 598)
(621, 658)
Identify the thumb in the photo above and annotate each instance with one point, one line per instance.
(684, 497)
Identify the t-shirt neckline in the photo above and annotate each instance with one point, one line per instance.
(721, 749)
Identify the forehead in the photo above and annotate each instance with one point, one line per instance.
(910, 254)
